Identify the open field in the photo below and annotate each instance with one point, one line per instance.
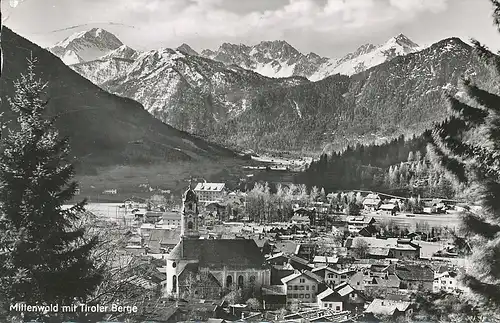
(451, 220)
(167, 176)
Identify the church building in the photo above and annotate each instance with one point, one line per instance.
(208, 268)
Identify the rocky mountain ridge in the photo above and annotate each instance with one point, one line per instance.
(280, 59)
(237, 107)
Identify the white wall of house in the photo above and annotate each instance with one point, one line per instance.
(334, 279)
(302, 288)
(334, 306)
(444, 282)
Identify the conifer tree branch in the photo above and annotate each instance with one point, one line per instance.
(479, 226)
(488, 100)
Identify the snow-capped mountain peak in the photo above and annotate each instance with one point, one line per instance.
(86, 46)
(367, 56)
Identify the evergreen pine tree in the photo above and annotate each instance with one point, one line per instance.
(467, 147)
(46, 257)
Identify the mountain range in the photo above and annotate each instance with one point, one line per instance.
(232, 96)
(104, 129)
(280, 59)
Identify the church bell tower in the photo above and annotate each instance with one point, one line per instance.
(190, 217)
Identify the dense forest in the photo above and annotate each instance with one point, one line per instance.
(400, 166)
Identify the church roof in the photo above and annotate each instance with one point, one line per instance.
(217, 253)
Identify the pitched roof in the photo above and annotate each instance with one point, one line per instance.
(339, 290)
(210, 187)
(300, 218)
(391, 281)
(386, 307)
(165, 236)
(375, 243)
(343, 289)
(276, 255)
(327, 292)
(217, 253)
(298, 259)
(414, 272)
(373, 196)
(390, 206)
(326, 259)
(306, 273)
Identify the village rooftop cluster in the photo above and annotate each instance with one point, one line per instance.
(330, 261)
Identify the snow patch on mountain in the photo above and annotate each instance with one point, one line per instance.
(70, 57)
(123, 52)
(299, 113)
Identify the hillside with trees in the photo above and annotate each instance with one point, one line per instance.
(401, 166)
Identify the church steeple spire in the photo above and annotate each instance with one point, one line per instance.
(190, 217)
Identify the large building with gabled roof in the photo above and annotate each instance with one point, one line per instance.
(204, 268)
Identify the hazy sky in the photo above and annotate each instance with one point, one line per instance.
(327, 27)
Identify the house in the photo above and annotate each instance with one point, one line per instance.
(235, 198)
(429, 249)
(160, 240)
(166, 218)
(110, 192)
(274, 297)
(300, 219)
(306, 251)
(341, 298)
(334, 277)
(263, 245)
(389, 208)
(277, 259)
(431, 207)
(280, 271)
(356, 223)
(299, 263)
(210, 192)
(414, 277)
(324, 261)
(446, 279)
(215, 208)
(368, 231)
(372, 202)
(375, 283)
(384, 248)
(135, 203)
(301, 286)
(392, 308)
(397, 202)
